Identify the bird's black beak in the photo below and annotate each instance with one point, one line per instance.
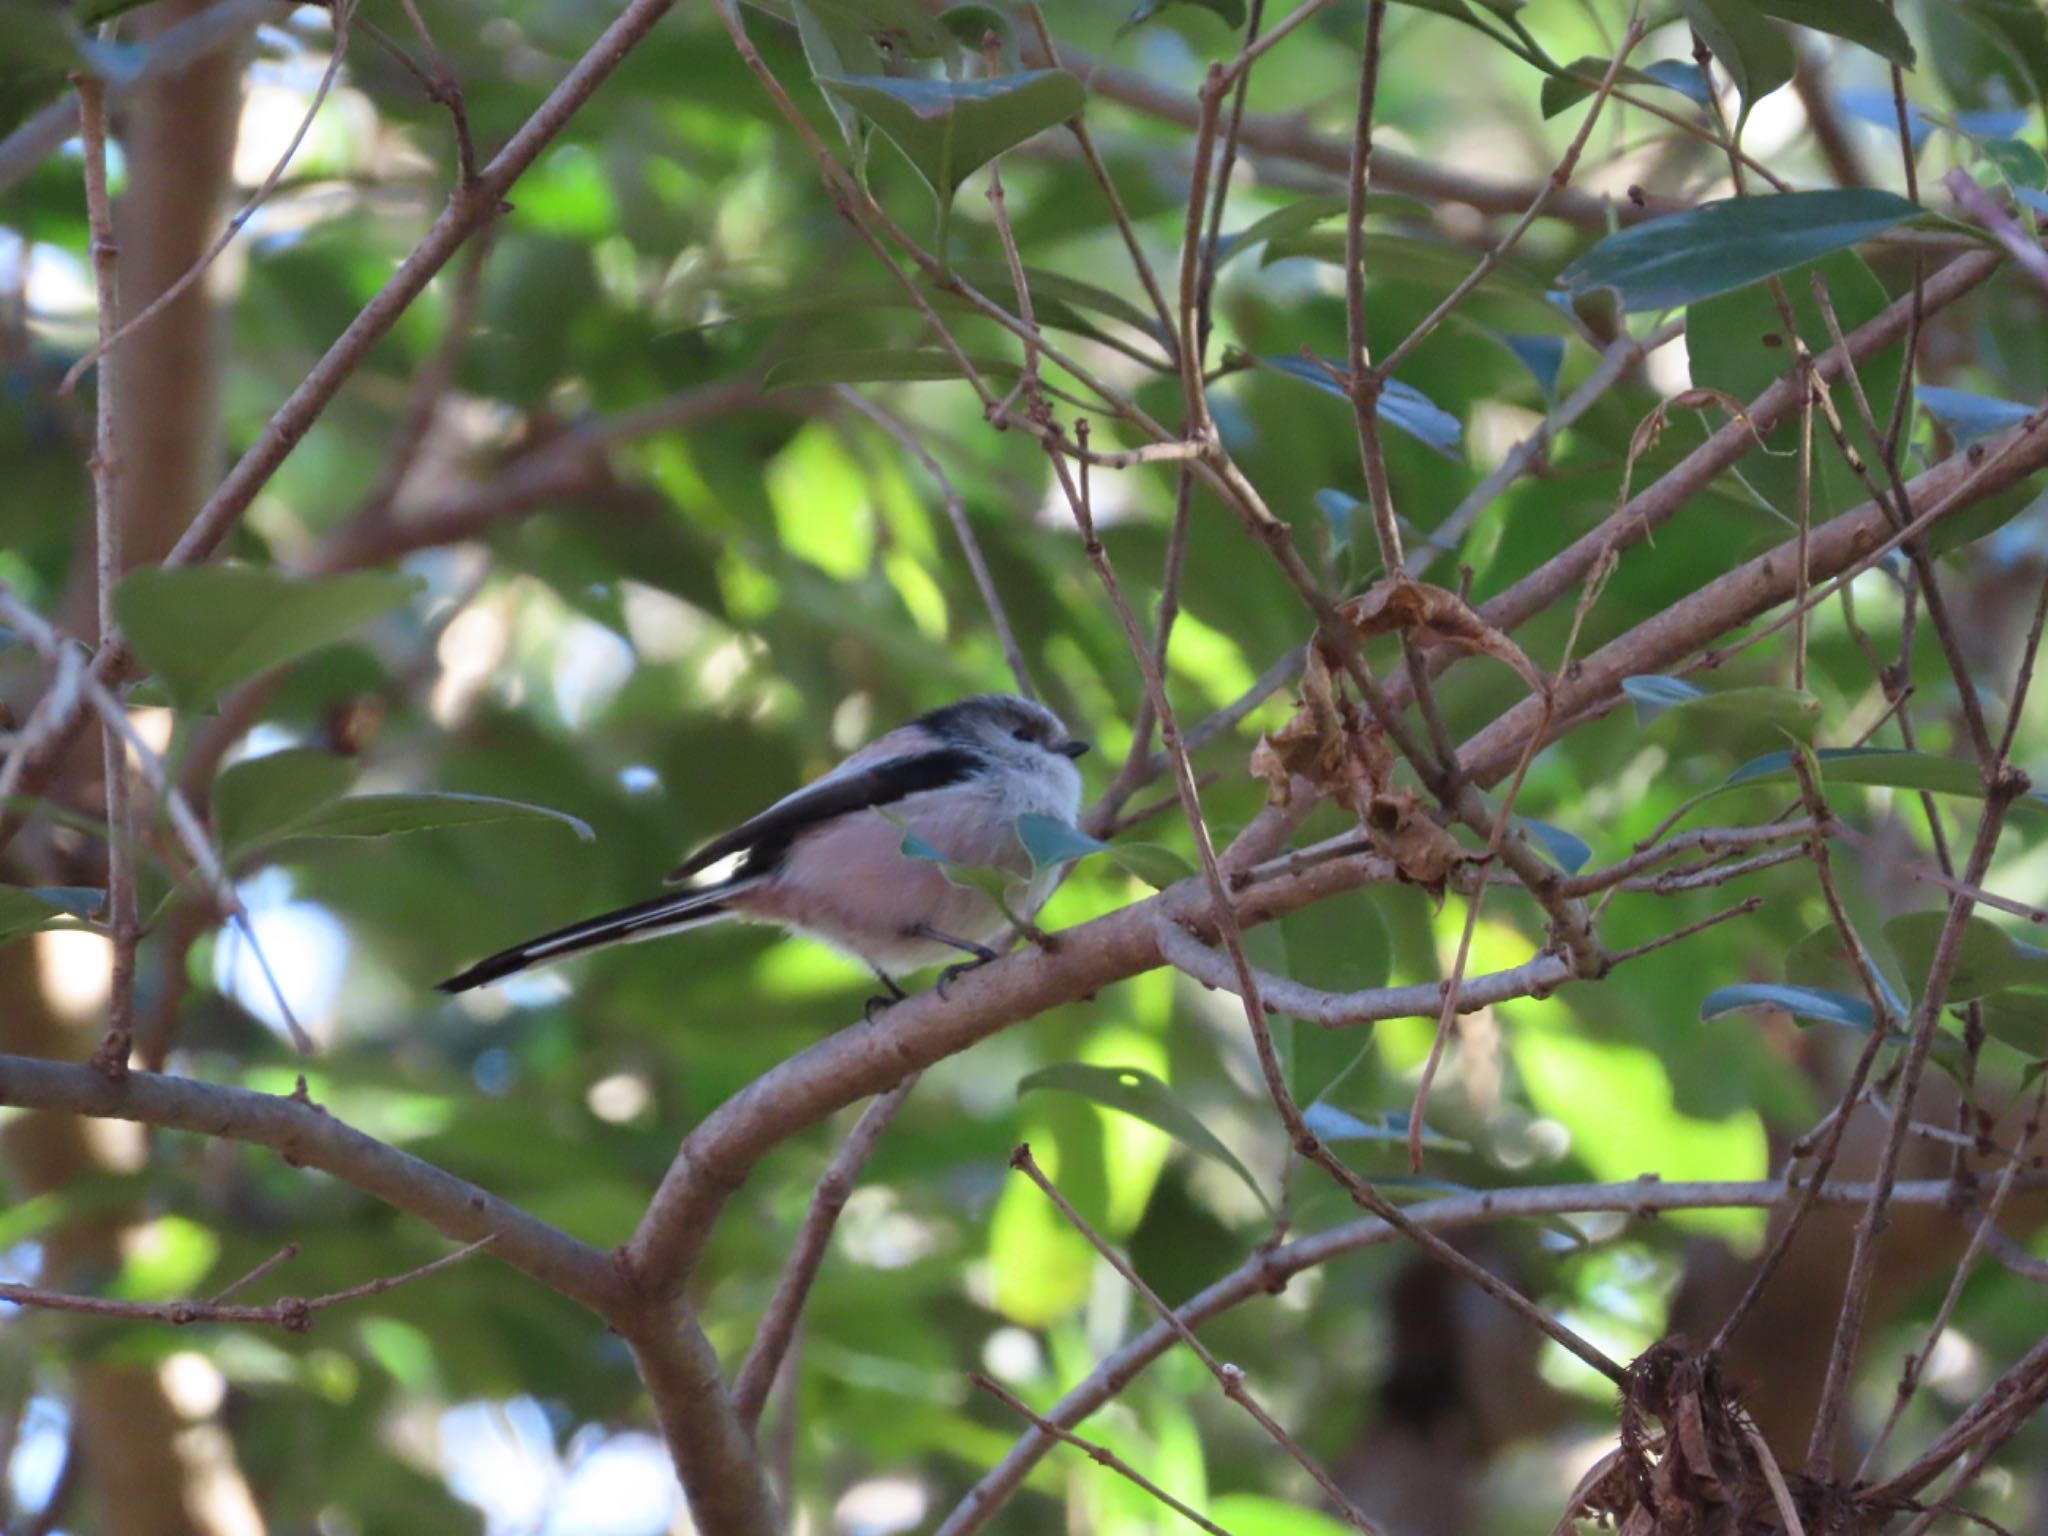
(1072, 749)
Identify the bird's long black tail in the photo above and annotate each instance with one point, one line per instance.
(643, 920)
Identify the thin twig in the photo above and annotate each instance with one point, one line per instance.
(757, 1373)
(963, 530)
(343, 12)
(1101, 1455)
(112, 1054)
(294, 1314)
(1229, 1377)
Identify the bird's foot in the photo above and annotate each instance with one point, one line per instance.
(879, 1004)
(953, 973)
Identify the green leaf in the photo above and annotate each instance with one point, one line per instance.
(1140, 1094)
(1757, 56)
(1581, 78)
(1811, 1004)
(996, 884)
(834, 47)
(1258, 1514)
(1989, 960)
(1820, 960)
(1566, 850)
(1401, 405)
(1792, 709)
(885, 365)
(1869, 22)
(1158, 866)
(949, 129)
(255, 797)
(394, 815)
(1970, 417)
(1887, 767)
(1724, 245)
(205, 628)
(1051, 841)
(24, 909)
(1736, 342)
(1298, 216)
(2019, 1018)
(1231, 12)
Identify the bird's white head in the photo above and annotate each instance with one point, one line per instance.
(1017, 734)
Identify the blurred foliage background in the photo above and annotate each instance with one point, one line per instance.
(718, 586)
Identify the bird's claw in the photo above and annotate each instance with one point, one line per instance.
(880, 1003)
(953, 973)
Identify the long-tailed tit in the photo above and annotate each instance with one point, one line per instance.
(826, 863)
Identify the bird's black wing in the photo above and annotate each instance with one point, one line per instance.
(766, 838)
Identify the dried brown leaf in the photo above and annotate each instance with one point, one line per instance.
(1401, 829)
(1431, 615)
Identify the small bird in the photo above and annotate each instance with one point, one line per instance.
(827, 863)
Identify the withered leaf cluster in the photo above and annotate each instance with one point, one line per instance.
(1333, 744)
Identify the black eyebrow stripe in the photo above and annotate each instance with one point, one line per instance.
(766, 839)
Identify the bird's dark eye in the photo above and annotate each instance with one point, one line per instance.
(1023, 733)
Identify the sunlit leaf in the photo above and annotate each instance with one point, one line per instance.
(1132, 1092)
(204, 628)
(1719, 246)
(1809, 1003)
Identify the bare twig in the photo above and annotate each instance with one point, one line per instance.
(1101, 1455)
(343, 12)
(294, 1314)
(1228, 1377)
(757, 1373)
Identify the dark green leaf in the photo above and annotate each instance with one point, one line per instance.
(1821, 960)
(372, 816)
(204, 628)
(1157, 866)
(1736, 343)
(1303, 214)
(24, 909)
(1869, 22)
(1757, 56)
(1886, 766)
(834, 47)
(1400, 405)
(1145, 1097)
(255, 797)
(1809, 1003)
(1989, 959)
(1720, 246)
(949, 129)
(1582, 77)
(1791, 709)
